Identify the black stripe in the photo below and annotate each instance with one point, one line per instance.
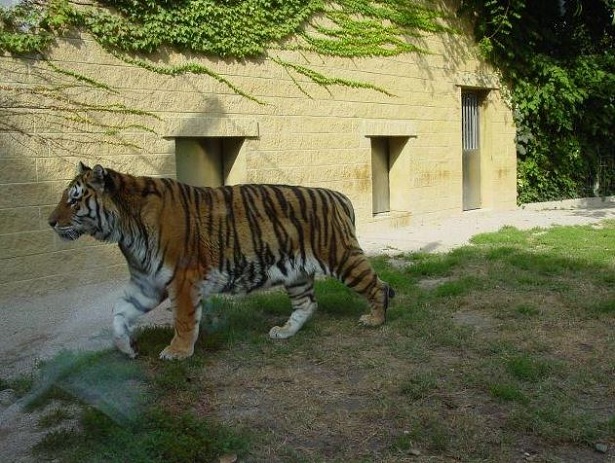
(160, 258)
(272, 214)
(299, 226)
(324, 230)
(149, 187)
(209, 212)
(198, 197)
(313, 222)
(343, 276)
(252, 216)
(136, 304)
(359, 278)
(170, 185)
(184, 191)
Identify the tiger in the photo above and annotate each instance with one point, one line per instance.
(187, 243)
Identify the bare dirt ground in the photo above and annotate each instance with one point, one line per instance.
(36, 328)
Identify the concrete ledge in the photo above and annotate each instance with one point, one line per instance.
(387, 128)
(481, 81)
(579, 203)
(211, 127)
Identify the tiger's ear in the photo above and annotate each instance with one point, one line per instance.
(98, 177)
(81, 168)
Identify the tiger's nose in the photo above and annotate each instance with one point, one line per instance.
(52, 220)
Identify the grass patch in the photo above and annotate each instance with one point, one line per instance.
(54, 418)
(493, 349)
(20, 385)
(603, 307)
(130, 410)
(528, 368)
(157, 436)
(527, 310)
(507, 392)
(420, 386)
(457, 287)
(432, 265)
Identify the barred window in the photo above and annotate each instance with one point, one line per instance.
(469, 121)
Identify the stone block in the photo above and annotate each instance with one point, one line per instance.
(211, 127)
(17, 170)
(30, 194)
(21, 146)
(68, 262)
(19, 219)
(60, 282)
(26, 243)
(66, 168)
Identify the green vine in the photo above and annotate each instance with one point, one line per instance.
(229, 29)
(193, 68)
(81, 78)
(138, 31)
(368, 28)
(55, 98)
(323, 80)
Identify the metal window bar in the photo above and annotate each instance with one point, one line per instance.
(469, 121)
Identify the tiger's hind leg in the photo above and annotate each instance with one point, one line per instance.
(358, 274)
(139, 298)
(301, 293)
(379, 299)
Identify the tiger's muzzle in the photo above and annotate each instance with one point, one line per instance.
(66, 233)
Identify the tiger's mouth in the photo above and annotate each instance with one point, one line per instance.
(67, 233)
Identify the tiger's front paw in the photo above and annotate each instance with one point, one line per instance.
(371, 320)
(122, 336)
(281, 332)
(125, 345)
(172, 353)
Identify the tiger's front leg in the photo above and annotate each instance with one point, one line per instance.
(138, 299)
(186, 300)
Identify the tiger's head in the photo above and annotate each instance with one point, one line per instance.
(85, 207)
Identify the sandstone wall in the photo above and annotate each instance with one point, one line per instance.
(307, 135)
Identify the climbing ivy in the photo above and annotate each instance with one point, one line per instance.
(70, 103)
(237, 29)
(138, 32)
(225, 28)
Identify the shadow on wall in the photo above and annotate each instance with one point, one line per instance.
(454, 51)
(52, 117)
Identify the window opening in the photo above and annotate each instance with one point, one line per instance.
(208, 161)
(469, 121)
(381, 165)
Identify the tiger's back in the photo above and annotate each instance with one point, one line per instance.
(187, 243)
